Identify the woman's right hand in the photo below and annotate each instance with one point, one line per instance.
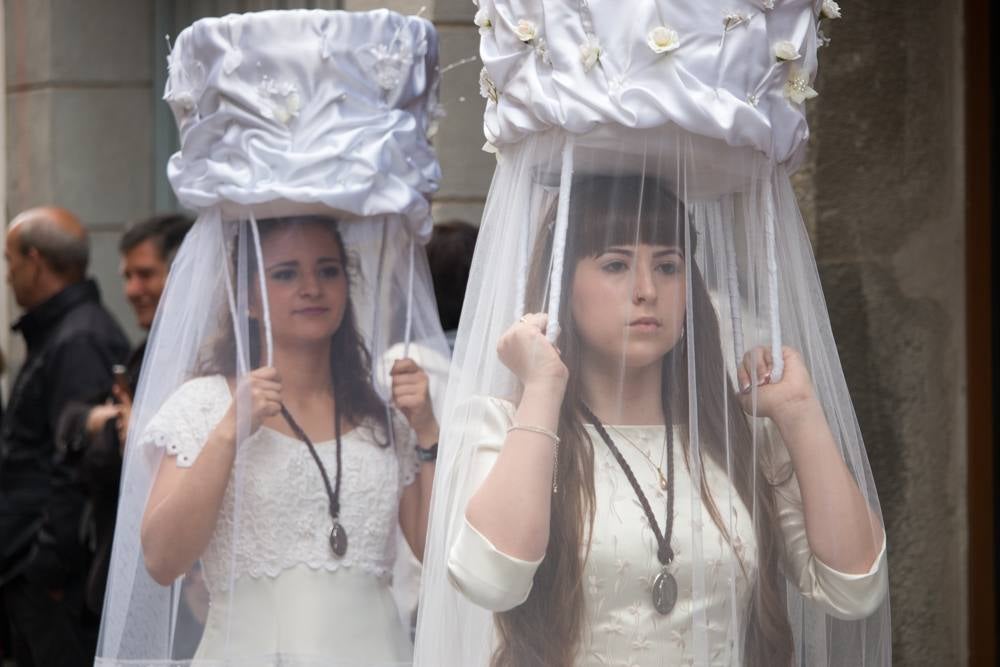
(261, 391)
(525, 350)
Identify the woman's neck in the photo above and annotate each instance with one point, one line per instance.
(304, 370)
(623, 396)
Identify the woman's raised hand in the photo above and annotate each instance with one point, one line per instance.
(778, 400)
(261, 390)
(529, 355)
(411, 394)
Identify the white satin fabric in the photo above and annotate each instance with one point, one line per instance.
(304, 111)
(718, 83)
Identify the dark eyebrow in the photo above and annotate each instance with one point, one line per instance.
(293, 262)
(626, 250)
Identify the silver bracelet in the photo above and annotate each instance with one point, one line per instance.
(535, 429)
(555, 448)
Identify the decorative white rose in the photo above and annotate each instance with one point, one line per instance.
(483, 21)
(526, 30)
(487, 88)
(590, 52)
(830, 10)
(768, 4)
(786, 51)
(797, 88)
(663, 39)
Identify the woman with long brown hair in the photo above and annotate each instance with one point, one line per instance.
(580, 583)
(649, 453)
(284, 435)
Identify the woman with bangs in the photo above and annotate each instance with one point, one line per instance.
(573, 552)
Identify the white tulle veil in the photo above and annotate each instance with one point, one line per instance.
(674, 123)
(287, 119)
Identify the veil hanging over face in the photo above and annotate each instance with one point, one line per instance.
(304, 148)
(650, 456)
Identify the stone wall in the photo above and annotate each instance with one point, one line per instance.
(888, 190)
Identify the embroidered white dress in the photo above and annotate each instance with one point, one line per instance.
(278, 595)
(624, 629)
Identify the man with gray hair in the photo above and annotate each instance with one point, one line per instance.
(72, 344)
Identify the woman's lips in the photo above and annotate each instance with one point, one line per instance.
(645, 324)
(311, 312)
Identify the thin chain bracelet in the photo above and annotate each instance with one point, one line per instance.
(555, 447)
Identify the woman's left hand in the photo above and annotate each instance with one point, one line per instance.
(411, 394)
(779, 400)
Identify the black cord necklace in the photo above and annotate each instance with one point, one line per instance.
(664, 584)
(338, 536)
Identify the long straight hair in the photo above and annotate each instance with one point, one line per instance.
(350, 361)
(545, 631)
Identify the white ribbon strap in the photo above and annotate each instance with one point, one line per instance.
(268, 337)
(559, 239)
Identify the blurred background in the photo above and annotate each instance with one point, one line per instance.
(896, 194)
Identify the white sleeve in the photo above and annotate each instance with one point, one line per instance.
(482, 573)
(842, 595)
(182, 424)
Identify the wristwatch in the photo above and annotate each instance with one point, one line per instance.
(427, 454)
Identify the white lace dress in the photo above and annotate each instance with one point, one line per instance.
(624, 629)
(278, 595)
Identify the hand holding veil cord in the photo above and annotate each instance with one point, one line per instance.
(276, 439)
(664, 280)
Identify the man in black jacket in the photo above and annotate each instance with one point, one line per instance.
(72, 343)
(94, 431)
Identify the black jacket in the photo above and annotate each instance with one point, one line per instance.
(100, 469)
(72, 344)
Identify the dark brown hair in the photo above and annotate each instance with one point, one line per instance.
(546, 629)
(350, 361)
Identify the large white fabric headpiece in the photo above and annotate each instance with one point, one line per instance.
(299, 112)
(739, 71)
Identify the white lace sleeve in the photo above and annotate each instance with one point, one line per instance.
(186, 418)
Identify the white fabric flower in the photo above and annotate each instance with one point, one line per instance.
(487, 88)
(786, 51)
(526, 30)
(797, 88)
(483, 21)
(830, 10)
(590, 52)
(768, 4)
(663, 39)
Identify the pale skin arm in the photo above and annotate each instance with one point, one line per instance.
(411, 394)
(184, 503)
(511, 507)
(840, 526)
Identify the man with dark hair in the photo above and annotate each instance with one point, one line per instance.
(72, 343)
(449, 255)
(97, 427)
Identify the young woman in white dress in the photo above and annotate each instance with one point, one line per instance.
(292, 592)
(588, 557)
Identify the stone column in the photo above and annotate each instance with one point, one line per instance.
(79, 119)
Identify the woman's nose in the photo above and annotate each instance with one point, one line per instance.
(644, 288)
(309, 286)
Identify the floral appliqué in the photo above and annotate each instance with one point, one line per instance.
(663, 39)
(487, 88)
(279, 100)
(797, 88)
(185, 83)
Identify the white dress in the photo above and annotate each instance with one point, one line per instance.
(624, 629)
(278, 595)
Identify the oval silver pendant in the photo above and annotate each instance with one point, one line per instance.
(338, 540)
(664, 592)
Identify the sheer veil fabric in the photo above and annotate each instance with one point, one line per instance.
(644, 291)
(305, 151)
